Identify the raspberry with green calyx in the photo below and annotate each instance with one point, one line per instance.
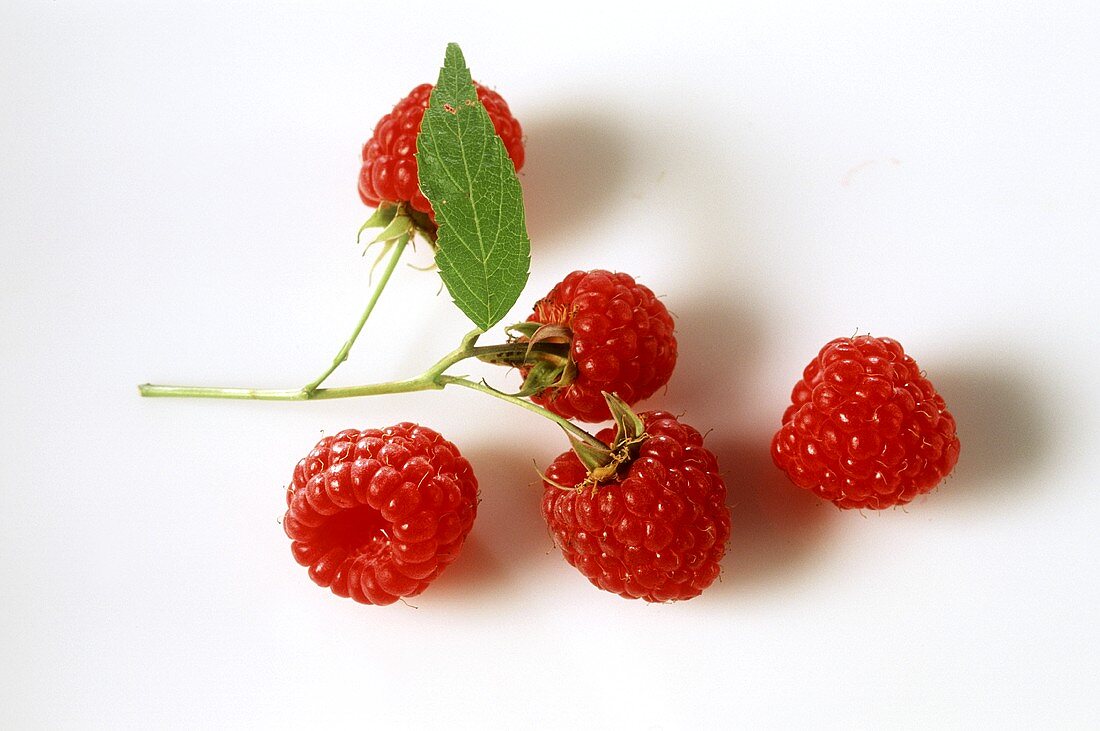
(388, 176)
(618, 338)
(646, 519)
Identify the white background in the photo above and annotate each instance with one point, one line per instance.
(178, 205)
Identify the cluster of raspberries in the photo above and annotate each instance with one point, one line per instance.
(376, 515)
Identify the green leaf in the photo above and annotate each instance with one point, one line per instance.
(484, 251)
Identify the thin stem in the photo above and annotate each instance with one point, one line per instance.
(398, 248)
(420, 383)
(150, 390)
(431, 379)
(564, 423)
(424, 382)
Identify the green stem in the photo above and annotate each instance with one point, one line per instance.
(564, 423)
(398, 248)
(150, 390)
(431, 379)
(426, 381)
(420, 383)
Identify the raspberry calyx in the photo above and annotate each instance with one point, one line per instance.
(657, 528)
(606, 462)
(399, 223)
(620, 339)
(541, 351)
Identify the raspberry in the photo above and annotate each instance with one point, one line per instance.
(656, 531)
(620, 341)
(389, 163)
(865, 428)
(378, 514)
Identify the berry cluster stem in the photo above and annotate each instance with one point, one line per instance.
(570, 428)
(433, 378)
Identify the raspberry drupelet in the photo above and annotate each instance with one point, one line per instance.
(620, 341)
(865, 428)
(656, 531)
(376, 515)
(389, 172)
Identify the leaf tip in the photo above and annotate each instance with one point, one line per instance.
(454, 56)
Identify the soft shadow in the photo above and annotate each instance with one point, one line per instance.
(711, 196)
(476, 571)
(778, 530)
(718, 339)
(1004, 425)
(508, 535)
(575, 168)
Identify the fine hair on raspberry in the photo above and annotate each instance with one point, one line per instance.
(377, 514)
(866, 428)
(621, 341)
(658, 530)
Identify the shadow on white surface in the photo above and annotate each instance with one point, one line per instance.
(508, 536)
(719, 341)
(1003, 425)
(777, 531)
(476, 574)
(575, 166)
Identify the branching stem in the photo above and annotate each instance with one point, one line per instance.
(433, 378)
(398, 248)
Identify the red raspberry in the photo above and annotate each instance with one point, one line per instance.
(389, 163)
(656, 532)
(621, 341)
(865, 428)
(378, 514)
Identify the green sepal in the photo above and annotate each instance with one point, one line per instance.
(397, 221)
(522, 329)
(593, 458)
(629, 425)
(568, 374)
(401, 225)
(550, 332)
(518, 394)
(381, 218)
(386, 248)
(543, 375)
(548, 481)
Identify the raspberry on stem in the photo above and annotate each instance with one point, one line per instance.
(388, 173)
(655, 525)
(865, 428)
(377, 515)
(388, 179)
(620, 340)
